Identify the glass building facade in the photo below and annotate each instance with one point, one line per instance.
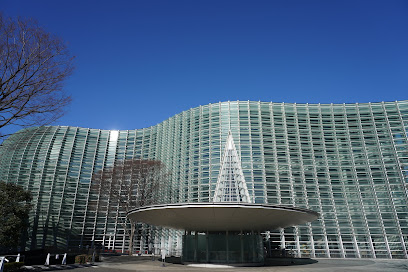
(348, 162)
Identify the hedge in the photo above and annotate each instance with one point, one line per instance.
(85, 258)
(14, 266)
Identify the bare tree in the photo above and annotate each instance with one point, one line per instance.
(126, 186)
(33, 66)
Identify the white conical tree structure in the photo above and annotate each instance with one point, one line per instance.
(231, 185)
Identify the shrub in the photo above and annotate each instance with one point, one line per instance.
(85, 258)
(81, 259)
(14, 266)
(89, 258)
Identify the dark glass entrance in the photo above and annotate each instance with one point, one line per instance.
(223, 247)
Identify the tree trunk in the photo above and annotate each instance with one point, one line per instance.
(131, 236)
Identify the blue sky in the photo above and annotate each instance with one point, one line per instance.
(140, 62)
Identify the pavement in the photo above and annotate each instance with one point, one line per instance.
(144, 264)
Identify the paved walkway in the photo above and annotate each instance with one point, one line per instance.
(126, 264)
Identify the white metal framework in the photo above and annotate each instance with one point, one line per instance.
(231, 185)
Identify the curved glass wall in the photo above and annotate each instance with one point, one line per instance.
(348, 162)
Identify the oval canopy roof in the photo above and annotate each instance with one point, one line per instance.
(222, 216)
